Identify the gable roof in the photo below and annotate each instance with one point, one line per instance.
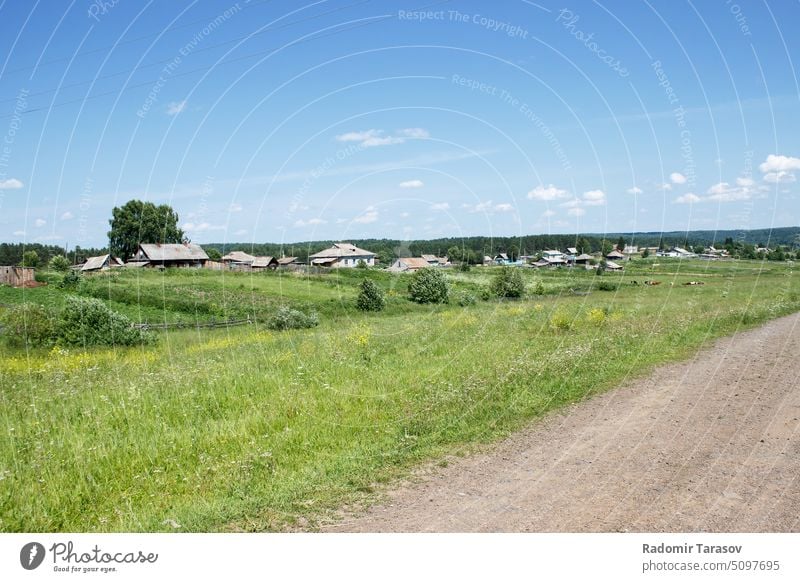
(239, 257)
(572, 250)
(264, 261)
(286, 260)
(583, 257)
(615, 255)
(414, 262)
(95, 263)
(174, 252)
(339, 250)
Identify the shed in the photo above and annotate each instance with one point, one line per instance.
(101, 263)
(409, 264)
(17, 276)
(171, 255)
(265, 263)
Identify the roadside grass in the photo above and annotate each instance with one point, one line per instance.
(245, 429)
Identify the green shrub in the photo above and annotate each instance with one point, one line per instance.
(71, 280)
(361, 264)
(59, 263)
(29, 324)
(538, 289)
(606, 286)
(465, 267)
(287, 318)
(508, 283)
(465, 298)
(561, 321)
(428, 286)
(85, 321)
(370, 296)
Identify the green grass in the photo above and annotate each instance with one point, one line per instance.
(247, 429)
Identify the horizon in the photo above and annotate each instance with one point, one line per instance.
(262, 121)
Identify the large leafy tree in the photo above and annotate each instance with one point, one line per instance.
(142, 222)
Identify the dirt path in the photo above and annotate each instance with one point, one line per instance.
(712, 444)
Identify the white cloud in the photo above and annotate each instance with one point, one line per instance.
(677, 178)
(665, 187)
(547, 193)
(440, 206)
(548, 213)
(724, 192)
(571, 203)
(19, 233)
(412, 184)
(634, 190)
(376, 137)
(240, 232)
(67, 216)
(745, 182)
(40, 222)
(175, 107)
(235, 207)
(594, 198)
(776, 163)
(405, 214)
(309, 222)
(576, 211)
(370, 215)
(488, 207)
(780, 177)
(688, 198)
(10, 184)
(414, 132)
(504, 207)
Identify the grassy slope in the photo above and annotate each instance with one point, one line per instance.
(246, 429)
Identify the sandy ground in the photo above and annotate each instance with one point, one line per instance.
(712, 444)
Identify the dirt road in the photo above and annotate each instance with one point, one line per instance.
(712, 444)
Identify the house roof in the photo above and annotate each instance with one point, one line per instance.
(430, 257)
(572, 250)
(137, 263)
(613, 266)
(338, 250)
(174, 252)
(263, 261)
(503, 256)
(414, 262)
(615, 255)
(583, 257)
(286, 260)
(95, 263)
(239, 257)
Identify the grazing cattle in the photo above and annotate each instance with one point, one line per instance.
(694, 283)
(635, 283)
(652, 282)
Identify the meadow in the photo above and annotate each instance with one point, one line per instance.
(248, 429)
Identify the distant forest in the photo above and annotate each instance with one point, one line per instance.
(471, 249)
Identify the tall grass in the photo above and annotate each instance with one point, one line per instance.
(250, 429)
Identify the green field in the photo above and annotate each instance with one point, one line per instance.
(247, 429)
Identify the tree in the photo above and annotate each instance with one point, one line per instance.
(142, 222)
(428, 286)
(621, 243)
(584, 246)
(606, 247)
(370, 296)
(645, 253)
(30, 259)
(59, 263)
(698, 249)
(508, 283)
(213, 254)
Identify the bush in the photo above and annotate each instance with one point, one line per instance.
(561, 321)
(59, 263)
(70, 280)
(538, 289)
(87, 322)
(287, 318)
(428, 286)
(508, 283)
(371, 297)
(465, 267)
(30, 259)
(30, 325)
(361, 264)
(464, 298)
(606, 286)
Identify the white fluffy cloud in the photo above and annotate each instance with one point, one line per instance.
(488, 207)
(725, 192)
(547, 193)
(67, 216)
(369, 216)
(634, 190)
(688, 198)
(175, 107)
(665, 186)
(677, 178)
(776, 163)
(309, 222)
(576, 211)
(548, 213)
(440, 206)
(780, 177)
(594, 198)
(19, 233)
(10, 184)
(377, 137)
(235, 207)
(412, 184)
(39, 222)
(504, 207)
(745, 182)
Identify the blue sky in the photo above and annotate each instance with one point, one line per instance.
(269, 121)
